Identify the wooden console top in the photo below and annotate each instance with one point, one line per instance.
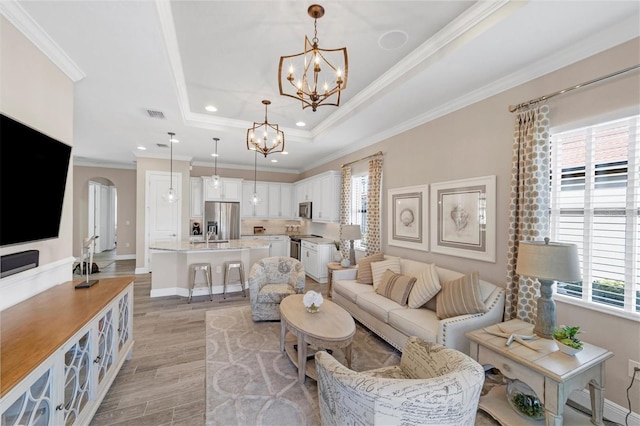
(34, 329)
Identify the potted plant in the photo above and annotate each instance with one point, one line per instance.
(566, 339)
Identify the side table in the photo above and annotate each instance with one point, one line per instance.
(552, 374)
(333, 266)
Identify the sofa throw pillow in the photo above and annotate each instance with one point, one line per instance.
(426, 287)
(395, 286)
(460, 296)
(379, 268)
(363, 276)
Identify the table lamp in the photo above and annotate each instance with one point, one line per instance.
(548, 262)
(351, 233)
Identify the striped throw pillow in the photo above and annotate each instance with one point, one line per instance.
(379, 268)
(364, 276)
(460, 297)
(395, 286)
(426, 287)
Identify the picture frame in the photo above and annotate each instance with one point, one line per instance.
(463, 218)
(407, 217)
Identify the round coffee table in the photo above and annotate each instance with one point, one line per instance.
(330, 328)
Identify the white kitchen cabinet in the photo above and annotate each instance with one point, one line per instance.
(278, 244)
(247, 208)
(196, 200)
(228, 190)
(304, 191)
(315, 257)
(279, 202)
(326, 205)
(69, 385)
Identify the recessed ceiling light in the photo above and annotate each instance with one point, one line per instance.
(301, 124)
(274, 161)
(142, 148)
(211, 108)
(174, 140)
(214, 155)
(284, 152)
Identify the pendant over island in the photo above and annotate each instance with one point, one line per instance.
(170, 264)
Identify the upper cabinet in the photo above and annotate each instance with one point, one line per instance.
(228, 190)
(323, 191)
(196, 200)
(276, 200)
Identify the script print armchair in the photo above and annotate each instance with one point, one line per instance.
(270, 280)
(433, 385)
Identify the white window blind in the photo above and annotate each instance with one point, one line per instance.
(595, 203)
(359, 207)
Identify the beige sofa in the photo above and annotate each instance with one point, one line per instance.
(395, 323)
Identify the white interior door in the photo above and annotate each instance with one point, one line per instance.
(102, 243)
(163, 218)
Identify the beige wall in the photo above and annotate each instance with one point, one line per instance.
(477, 141)
(35, 92)
(125, 183)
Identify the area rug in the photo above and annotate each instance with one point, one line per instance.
(250, 382)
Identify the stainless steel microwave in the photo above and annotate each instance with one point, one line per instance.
(304, 210)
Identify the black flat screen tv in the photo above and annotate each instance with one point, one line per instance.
(33, 177)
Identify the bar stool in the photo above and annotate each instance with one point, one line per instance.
(194, 268)
(228, 266)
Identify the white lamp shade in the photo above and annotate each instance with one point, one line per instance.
(548, 261)
(350, 232)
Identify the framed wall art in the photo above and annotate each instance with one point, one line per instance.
(407, 217)
(463, 218)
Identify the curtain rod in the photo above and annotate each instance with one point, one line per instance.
(363, 158)
(513, 108)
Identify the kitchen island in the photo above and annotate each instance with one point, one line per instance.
(170, 264)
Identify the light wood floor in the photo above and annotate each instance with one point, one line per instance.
(163, 383)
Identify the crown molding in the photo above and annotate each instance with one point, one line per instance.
(15, 13)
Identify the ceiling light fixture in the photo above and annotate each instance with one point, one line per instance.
(215, 179)
(255, 198)
(272, 139)
(171, 195)
(305, 87)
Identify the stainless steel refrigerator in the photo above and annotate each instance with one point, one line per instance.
(222, 220)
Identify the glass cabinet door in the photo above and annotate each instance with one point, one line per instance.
(124, 321)
(77, 376)
(33, 406)
(105, 358)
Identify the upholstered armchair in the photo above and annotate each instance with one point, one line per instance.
(433, 385)
(270, 280)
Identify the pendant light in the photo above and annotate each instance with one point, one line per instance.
(171, 195)
(255, 198)
(215, 179)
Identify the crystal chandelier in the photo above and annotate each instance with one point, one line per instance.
(318, 79)
(265, 138)
(171, 196)
(215, 179)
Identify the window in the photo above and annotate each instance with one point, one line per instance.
(595, 204)
(359, 207)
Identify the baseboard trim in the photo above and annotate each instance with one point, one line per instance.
(198, 291)
(612, 411)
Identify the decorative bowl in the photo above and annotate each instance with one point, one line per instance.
(566, 349)
(524, 401)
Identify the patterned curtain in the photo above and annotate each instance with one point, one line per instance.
(529, 206)
(373, 206)
(345, 207)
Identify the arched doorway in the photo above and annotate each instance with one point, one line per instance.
(102, 218)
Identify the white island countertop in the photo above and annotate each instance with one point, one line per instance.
(183, 246)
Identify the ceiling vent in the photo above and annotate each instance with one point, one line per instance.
(155, 114)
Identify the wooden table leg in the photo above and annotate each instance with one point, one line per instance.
(347, 355)
(597, 402)
(283, 332)
(302, 359)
